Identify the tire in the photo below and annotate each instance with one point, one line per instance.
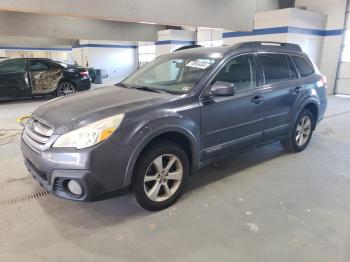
(66, 88)
(164, 184)
(300, 136)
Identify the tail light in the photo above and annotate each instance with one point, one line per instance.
(322, 82)
(84, 73)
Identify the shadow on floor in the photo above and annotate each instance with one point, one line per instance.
(233, 164)
(26, 100)
(117, 210)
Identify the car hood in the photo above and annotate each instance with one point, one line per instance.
(67, 113)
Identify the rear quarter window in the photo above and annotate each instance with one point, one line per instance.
(303, 66)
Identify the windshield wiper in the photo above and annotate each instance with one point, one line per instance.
(122, 85)
(146, 88)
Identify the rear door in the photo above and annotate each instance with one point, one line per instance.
(281, 88)
(14, 80)
(232, 122)
(44, 77)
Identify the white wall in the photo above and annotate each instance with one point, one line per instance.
(335, 10)
(58, 55)
(326, 16)
(289, 20)
(209, 37)
(119, 59)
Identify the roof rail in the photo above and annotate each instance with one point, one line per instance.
(257, 44)
(186, 47)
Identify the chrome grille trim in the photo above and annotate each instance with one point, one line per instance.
(36, 137)
(31, 143)
(36, 134)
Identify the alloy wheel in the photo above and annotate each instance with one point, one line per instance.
(66, 89)
(303, 131)
(163, 177)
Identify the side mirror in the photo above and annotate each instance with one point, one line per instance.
(220, 88)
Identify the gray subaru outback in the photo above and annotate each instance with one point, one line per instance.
(182, 111)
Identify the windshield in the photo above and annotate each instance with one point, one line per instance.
(169, 74)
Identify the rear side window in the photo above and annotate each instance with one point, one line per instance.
(13, 66)
(276, 69)
(292, 69)
(304, 68)
(39, 65)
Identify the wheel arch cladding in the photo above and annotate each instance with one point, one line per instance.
(181, 137)
(312, 107)
(69, 81)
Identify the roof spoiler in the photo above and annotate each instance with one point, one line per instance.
(257, 44)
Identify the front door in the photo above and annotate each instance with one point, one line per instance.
(44, 77)
(14, 80)
(232, 122)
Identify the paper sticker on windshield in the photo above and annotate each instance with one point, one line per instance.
(186, 88)
(197, 64)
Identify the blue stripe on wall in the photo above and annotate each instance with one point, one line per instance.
(175, 42)
(105, 46)
(334, 32)
(263, 31)
(283, 30)
(35, 48)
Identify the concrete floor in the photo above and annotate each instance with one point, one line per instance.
(264, 205)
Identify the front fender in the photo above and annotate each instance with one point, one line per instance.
(143, 135)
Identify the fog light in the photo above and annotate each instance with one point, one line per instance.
(74, 187)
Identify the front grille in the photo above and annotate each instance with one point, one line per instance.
(36, 134)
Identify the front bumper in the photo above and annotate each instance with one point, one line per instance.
(100, 178)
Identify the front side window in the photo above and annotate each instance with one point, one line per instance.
(304, 68)
(173, 75)
(39, 65)
(13, 66)
(241, 71)
(276, 69)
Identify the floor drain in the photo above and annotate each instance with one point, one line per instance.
(24, 198)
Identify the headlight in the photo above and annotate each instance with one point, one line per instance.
(90, 134)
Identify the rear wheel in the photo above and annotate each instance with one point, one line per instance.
(301, 134)
(160, 175)
(66, 88)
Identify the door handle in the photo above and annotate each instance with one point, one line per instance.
(257, 99)
(298, 90)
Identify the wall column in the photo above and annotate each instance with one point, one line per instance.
(169, 40)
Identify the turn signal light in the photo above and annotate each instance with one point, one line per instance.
(106, 133)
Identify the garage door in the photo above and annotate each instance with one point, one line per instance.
(343, 78)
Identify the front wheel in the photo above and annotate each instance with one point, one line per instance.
(301, 134)
(160, 175)
(65, 88)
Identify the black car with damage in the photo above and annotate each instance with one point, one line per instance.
(29, 77)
